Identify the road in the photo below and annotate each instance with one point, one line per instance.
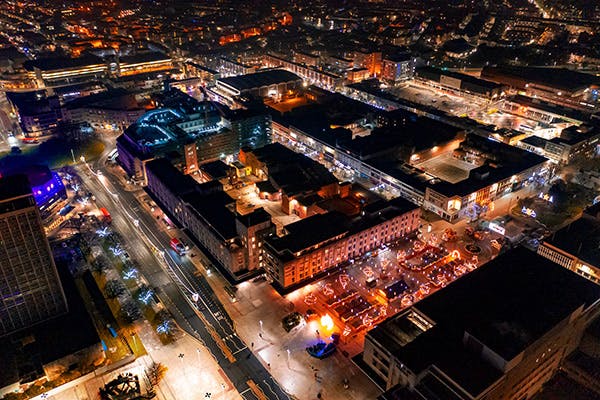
(176, 281)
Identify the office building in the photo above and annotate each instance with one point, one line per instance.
(30, 289)
(499, 332)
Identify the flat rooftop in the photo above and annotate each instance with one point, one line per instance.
(57, 63)
(549, 107)
(506, 305)
(431, 72)
(321, 228)
(580, 238)
(14, 186)
(260, 79)
(505, 161)
(560, 78)
(294, 173)
(171, 177)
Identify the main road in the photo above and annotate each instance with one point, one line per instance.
(182, 289)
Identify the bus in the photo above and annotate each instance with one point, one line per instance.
(177, 246)
(106, 215)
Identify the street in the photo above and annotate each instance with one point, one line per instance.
(176, 284)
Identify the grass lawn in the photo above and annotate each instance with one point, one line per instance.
(55, 153)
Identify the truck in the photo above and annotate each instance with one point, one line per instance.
(106, 215)
(177, 246)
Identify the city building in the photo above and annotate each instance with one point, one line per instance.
(30, 288)
(573, 143)
(543, 111)
(370, 60)
(423, 160)
(231, 240)
(47, 187)
(310, 74)
(48, 72)
(112, 110)
(493, 169)
(316, 244)
(274, 84)
(306, 58)
(576, 247)
(144, 62)
(229, 67)
(397, 68)
(183, 127)
(296, 180)
(500, 332)
(39, 114)
(558, 85)
(460, 84)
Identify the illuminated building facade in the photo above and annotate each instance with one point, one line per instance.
(396, 69)
(233, 241)
(273, 84)
(319, 243)
(576, 246)
(30, 289)
(112, 110)
(49, 72)
(310, 74)
(467, 341)
(38, 114)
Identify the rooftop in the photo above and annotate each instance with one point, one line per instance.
(549, 107)
(436, 72)
(260, 79)
(144, 57)
(506, 305)
(171, 177)
(504, 162)
(580, 238)
(560, 78)
(112, 99)
(14, 186)
(57, 63)
(321, 228)
(294, 173)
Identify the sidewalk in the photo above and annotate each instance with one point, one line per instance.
(257, 314)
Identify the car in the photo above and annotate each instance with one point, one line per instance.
(15, 150)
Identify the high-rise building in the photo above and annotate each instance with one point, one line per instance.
(30, 289)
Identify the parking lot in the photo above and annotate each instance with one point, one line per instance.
(479, 109)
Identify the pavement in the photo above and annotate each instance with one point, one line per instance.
(177, 282)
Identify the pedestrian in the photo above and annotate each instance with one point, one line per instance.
(269, 365)
(252, 344)
(260, 335)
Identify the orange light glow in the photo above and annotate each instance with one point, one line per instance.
(327, 322)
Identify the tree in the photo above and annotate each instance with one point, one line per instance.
(100, 264)
(114, 288)
(130, 311)
(155, 372)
